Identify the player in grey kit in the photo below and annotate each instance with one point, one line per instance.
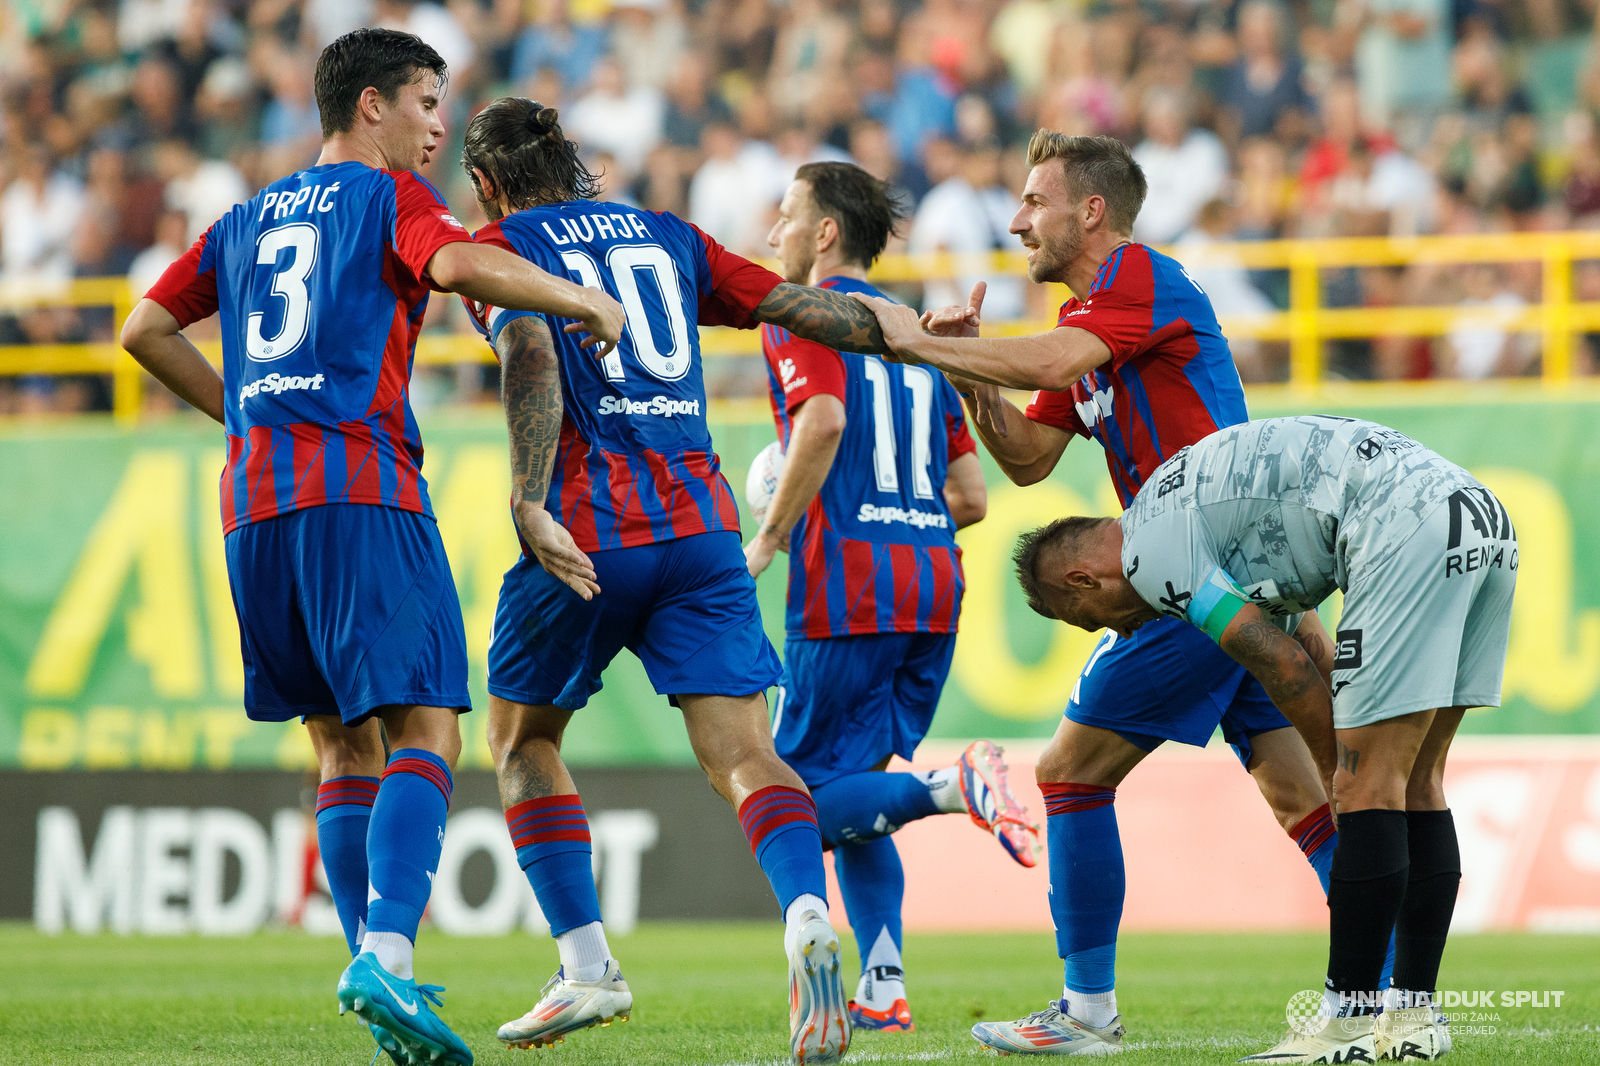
(1244, 534)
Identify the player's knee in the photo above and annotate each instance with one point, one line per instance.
(1053, 767)
(1425, 791)
(347, 750)
(1291, 796)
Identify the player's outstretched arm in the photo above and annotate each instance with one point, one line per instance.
(814, 436)
(824, 316)
(1051, 361)
(151, 335)
(1291, 679)
(531, 390)
(494, 276)
(1025, 450)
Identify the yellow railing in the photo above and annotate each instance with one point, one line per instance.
(1305, 325)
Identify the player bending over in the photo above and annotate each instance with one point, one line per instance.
(878, 474)
(631, 539)
(1138, 364)
(347, 611)
(1242, 535)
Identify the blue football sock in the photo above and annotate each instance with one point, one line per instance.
(869, 805)
(873, 885)
(781, 825)
(344, 808)
(1317, 839)
(1087, 882)
(551, 836)
(404, 838)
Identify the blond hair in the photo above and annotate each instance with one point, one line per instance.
(1095, 166)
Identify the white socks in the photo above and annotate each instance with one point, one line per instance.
(584, 952)
(793, 914)
(884, 981)
(1094, 1009)
(946, 788)
(393, 951)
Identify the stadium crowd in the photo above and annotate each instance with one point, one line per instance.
(128, 126)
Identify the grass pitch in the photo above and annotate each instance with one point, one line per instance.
(715, 995)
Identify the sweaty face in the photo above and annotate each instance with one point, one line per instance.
(1047, 222)
(794, 236)
(409, 128)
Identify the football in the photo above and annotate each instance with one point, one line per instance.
(762, 481)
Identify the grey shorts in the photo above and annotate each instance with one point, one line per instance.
(1428, 627)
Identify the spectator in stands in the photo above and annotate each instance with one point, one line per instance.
(924, 99)
(732, 191)
(1402, 59)
(1184, 167)
(172, 240)
(615, 117)
(38, 211)
(161, 111)
(1228, 284)
(969, 213)
(434, 24)
(691, 104)
(647, 38)
(1264, 94)
(203, 189)
(1484, 347)
(554, 41)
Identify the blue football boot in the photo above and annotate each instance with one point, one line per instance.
(387, 1044)
(401, 1008)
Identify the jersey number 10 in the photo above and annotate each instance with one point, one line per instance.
(625, 262)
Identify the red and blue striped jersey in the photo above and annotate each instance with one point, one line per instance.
(876, 550)
(634, 464)
(1170, 379)
(321, 282)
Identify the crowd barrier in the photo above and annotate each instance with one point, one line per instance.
(1558, 318)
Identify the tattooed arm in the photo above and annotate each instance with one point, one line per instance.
(1291, 678)
(531, 390)
(1314, 639)
(824, 316)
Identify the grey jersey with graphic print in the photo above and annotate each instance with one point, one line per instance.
(1283, 510)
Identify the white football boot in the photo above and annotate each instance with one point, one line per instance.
(1409, 1035)
(819, 1022)
(565, 1006)
(1050, 1032)
(1342, 1040)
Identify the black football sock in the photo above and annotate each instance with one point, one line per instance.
(1424, 920)
(1365, 893)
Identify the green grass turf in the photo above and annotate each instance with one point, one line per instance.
(715, 994)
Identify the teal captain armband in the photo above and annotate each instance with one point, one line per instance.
(1215, 603)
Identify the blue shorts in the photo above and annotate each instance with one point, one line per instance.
(686, 607)
(1169, 681)
(343, 609)
(845, 703)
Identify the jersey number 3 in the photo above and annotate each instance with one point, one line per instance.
(289, 285)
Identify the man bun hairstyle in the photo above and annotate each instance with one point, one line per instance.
(867, 211)
(1095, 166)
(1067, 533)
(519, 146)
(381, 59)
